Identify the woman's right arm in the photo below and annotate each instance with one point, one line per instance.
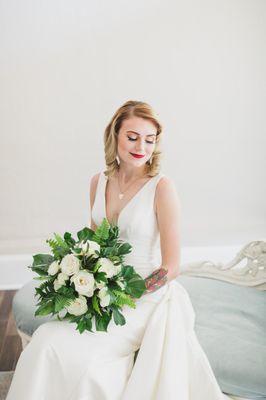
(93, 187)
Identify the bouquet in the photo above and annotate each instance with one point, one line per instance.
(86, 279)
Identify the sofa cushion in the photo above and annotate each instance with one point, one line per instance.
(230, 325)
(24, 306)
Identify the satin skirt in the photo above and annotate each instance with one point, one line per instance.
(60, 363)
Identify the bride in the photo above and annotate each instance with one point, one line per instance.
(59, 362)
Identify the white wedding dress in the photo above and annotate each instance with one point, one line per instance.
(59, 363)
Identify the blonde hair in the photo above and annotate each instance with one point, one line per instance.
(129, 109)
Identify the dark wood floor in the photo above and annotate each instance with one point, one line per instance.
(10, 342)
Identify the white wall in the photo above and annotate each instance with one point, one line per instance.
(66, 66)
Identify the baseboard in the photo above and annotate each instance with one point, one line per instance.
(14, 272)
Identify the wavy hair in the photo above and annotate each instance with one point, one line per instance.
(127, 110)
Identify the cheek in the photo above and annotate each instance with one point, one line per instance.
(125, 145)
(150, 149)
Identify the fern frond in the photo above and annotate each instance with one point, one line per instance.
(59, 247)
(61, 301)
(102, 231)
(123, 298)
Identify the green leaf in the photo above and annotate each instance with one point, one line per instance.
(77, 250)
(113, 232)
(67, 316)
(61, 302)
(102, 322)
(81, 326)
(45, 309)
(88, 322)
(42, 260)
(118, 317)
(67, 291)
(84, 322)
(42, 278)
(95, 304)
(123, 299)
(102, 231)
(39, 291)
(113, 297)
(47, 286)
(61, 241)
(69, 240)
(125, 248)
(41, 263)
(96, 267)
(75, 318)
(85, 234)
(128, 271)
(40, 271)
(100, 277)
(136, 286)
(59, 247)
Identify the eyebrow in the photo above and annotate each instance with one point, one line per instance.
(152, 134)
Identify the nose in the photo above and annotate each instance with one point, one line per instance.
(140, 145)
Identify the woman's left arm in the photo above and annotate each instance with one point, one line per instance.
(168, 217)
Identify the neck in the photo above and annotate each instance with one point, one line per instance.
(128, 174)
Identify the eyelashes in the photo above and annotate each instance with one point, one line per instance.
(133, 140)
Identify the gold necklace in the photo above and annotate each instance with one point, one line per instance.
(121, 194)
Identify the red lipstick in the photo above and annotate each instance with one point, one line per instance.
(137, 155)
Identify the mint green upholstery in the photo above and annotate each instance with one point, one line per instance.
(230, 326)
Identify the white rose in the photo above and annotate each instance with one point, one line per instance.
(78, 306)
(57, 284)
(108, 267)
(53, 268)
(84, 283)
(89, 247)
(99, 285)
(70, 264)
(104, 297)
(62, 278)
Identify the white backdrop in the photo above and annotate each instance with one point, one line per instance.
(66, 66)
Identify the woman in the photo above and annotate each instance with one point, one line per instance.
(59, 363)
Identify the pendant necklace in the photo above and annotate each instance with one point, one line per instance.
(121, 193)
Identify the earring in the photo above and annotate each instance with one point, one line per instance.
(117, 160)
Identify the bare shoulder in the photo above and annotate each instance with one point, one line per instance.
(95, 178)
(93, 186)
(166, 193)
(166, 186)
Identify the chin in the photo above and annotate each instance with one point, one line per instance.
(138, 162)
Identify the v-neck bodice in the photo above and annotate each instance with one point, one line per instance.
(137, 224)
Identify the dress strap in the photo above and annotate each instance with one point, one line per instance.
(99, 194)
(156, 179)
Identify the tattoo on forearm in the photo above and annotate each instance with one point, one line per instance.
(156, 280)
